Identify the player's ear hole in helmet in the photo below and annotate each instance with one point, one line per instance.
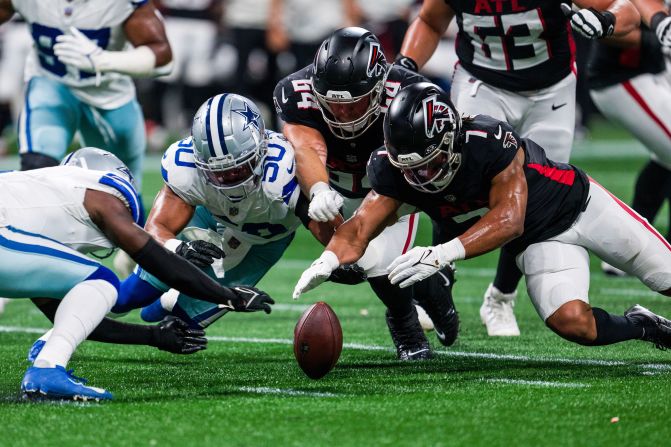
(230, 144)
(99, 160)
(348, 80)
(422, 133)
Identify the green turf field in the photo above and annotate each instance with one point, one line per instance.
(247, 390)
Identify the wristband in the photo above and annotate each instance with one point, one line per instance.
(453, 250)
(317, 188)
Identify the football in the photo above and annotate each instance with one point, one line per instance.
(317, 340)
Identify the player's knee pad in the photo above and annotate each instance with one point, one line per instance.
(33, 160)
(134, 292)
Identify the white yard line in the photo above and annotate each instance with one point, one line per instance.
(285, 392)
(365, 347)
(541, 383)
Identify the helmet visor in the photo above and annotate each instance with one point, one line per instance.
(430, 172)
(231, 177)
(346, 111)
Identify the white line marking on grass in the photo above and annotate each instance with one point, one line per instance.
(628, 292)
(285, 392)
(364, 347)
(542, 383)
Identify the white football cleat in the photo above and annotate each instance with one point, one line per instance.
(123, 264)
(3, 301)
(497, 313)
(612, 270)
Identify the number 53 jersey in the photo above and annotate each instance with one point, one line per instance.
(99, 20)
(517, 45)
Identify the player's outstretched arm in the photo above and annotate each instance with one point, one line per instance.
(602, 18)
(424, 33)
(350, 241)
(168, 216)
(6, 11)
(502, 223)
(145, 28)
(114, 219)
(171, 335)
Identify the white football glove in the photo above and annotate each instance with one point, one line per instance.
(79, 51)
(325, 203)
(663, 32)
(318, 272)
(422, 262)
(589, 22)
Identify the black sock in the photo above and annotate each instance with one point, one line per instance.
(651, 190)
(613, 328)
(397, 300)
(507, 274)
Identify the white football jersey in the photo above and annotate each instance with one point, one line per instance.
(265, 215)
(101, 21)
(50, 202)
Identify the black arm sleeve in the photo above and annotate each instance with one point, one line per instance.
(108, 331)
(180, 274)
(301, 210)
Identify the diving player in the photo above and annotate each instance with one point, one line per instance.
(332, 110)
(517, 63)
(48, 218)
(230, 204)
(487, 187)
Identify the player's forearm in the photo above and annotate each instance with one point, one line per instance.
(627, 17)
(420, 42)
(649, 9)
(629, 40)
(310, 168)
(495, 228)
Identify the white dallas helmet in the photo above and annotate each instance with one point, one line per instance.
(230, 144)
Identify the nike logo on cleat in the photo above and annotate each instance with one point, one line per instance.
(554, 107)
(439, 334)
(410, 354)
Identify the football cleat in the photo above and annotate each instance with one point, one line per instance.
(439, 306)
(57, 383)
(610, 270)
(497, 313)
(656, 329)
(408, 337)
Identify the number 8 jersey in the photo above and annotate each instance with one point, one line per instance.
(516, 45)
(99, 20)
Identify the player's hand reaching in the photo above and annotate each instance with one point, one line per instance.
(249, 299)
(318, 272)
(77, 50)
(589, 22)
(350, 274)
(422, 262)
(199, 253)
(325, 203)
(174, 335)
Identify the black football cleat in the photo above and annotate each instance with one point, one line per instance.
(656, 329)
(409, 338)
(439, 306)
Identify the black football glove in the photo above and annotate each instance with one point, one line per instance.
(199, 253)
(661, 25)
(249, 299)
(174, 335)
(589, 22)
(407, 62)
(350, 274)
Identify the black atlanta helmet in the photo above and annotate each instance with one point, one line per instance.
(349, 73)
(422, 135)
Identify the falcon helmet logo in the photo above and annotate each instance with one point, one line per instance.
(437, 115)
(375, 60)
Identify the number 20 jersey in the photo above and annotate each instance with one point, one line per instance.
(515, 45)
(99, 20)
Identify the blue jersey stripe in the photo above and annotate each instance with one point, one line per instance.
(29, 139)
(220, 124)
(208, 132)
(127, 190)
(289, 189)
(39, 249)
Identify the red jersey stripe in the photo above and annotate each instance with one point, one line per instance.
(565, 177)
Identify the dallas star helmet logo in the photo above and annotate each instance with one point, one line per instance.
(250, 116)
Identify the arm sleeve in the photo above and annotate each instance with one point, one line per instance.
(180, 274)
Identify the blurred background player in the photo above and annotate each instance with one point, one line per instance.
(49, 218)
(516, 62)
(332, 113)
(230, 205)
(631, 85)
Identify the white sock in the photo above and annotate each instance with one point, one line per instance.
(46, 335)
(79, 313)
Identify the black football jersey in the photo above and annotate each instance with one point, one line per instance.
(514, 44)
(609, 65)
(556, 191)
(346, 162)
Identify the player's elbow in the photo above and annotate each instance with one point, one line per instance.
(512, 226)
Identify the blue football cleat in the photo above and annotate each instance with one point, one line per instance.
(35, 350)
(57, 383)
